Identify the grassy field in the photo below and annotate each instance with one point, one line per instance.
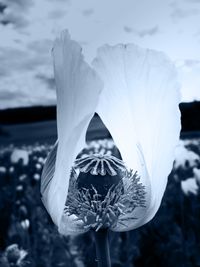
(44, 132)
(28, 133)
(29, 238)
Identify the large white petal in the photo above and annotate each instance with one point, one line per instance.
(139, 106)
(78, 88)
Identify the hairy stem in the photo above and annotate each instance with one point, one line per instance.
(102, 248)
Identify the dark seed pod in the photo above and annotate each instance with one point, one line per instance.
(99, 172)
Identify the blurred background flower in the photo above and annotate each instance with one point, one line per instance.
(190, 186)
(19, 154)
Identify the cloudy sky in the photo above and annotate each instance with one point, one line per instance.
(28, 27)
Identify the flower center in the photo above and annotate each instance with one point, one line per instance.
(103, 193)
(99, 171)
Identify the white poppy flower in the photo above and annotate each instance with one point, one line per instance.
(189, 186)
(183, 155)
(136, 94)
(196, 172)
(19, 154)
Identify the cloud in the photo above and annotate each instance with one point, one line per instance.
(150, 32)
(192, 63)
(55, 14)
(60, 2)
(192, 1)
(142, 33)
(188, 65)
(188, 71)
(6, 95)
(49, 81)
(18, 5)
(15, 19)
(12, 94)
(88, 12)
(25, 74)
(3, 72)
(12, 60)
(83, 43)
(197, 34)
(128, 29)
(40, 46)
(14, 12)
(2, 7)
(180, 13)
(15, 60)
(25, 90)
(29, 26)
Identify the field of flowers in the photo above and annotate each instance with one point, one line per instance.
(29, 238)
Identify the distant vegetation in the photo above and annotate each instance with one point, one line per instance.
(27, 114)
(190, 115)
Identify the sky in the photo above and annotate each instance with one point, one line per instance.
(28, 28)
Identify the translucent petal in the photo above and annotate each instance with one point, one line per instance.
(139, 106)
(78, 88)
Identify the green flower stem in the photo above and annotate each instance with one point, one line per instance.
(102, 248)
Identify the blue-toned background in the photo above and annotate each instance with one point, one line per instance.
(29, 238)
(28, 128)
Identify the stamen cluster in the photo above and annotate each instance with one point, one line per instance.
(115, 208)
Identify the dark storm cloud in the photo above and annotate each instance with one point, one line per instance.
(13, 12)
(11, 18)
(88, 12)
(2, 7)
(49, 81)
(21, 5)
(142, 33)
